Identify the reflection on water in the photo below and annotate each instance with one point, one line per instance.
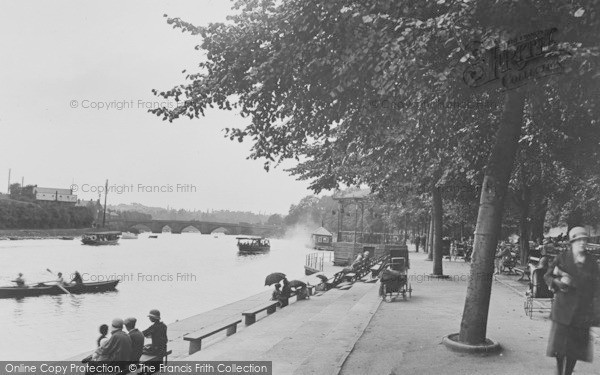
(181, 275)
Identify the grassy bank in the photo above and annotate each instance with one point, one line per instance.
(41, 233)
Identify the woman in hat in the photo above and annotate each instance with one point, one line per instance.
(575, 278)
(158, 333)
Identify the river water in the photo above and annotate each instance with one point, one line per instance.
(179, 274)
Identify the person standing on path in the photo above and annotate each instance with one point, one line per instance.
(575, 278)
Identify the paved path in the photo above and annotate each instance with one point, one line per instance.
(307, 337)
(405, 337)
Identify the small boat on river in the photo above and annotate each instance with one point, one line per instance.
(129, 236)
(50, 289)
(100, 238)
(253, 244)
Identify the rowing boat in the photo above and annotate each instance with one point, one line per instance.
(45, 289)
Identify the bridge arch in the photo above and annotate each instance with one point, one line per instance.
(191, 229)
(220, 230)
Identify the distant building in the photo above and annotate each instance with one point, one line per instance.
(54, 195)
(321, 239)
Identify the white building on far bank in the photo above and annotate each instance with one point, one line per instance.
(54, 195)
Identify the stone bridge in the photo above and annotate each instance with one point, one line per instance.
(205, 227)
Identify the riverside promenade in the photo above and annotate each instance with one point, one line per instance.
(354, 332)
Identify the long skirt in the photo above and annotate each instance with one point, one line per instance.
(571, 342)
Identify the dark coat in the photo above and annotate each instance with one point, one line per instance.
(117, 348)
(137, 344)
(579, 305)
(158, 333)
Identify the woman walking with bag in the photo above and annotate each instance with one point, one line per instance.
(575, 278)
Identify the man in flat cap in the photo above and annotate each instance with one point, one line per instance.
(137, 339)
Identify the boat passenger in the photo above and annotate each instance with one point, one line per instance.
(60, 279)
(158, 333)
(103, 334)
(77, 279)
(137, 339)
(20, 281)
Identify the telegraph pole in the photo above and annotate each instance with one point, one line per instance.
(104, 215)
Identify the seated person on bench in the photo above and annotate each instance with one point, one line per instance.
(286, 292)
(276, 296)
(158, 332)
(300, 288)
(117, 348)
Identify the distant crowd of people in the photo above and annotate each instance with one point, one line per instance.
(129, 347)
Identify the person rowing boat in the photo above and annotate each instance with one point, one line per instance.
(20, 281)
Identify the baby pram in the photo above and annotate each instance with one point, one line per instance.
(394, 279)
(538, 294)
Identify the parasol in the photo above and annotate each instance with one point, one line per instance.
(297, 284)
(274, 278)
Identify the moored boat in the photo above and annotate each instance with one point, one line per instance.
(129, 236)
(100, 238)
(45, 289)
(253, 244)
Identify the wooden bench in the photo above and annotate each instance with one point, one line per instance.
(148, 360)
(250, 315)
(145, 360)
(195, 338)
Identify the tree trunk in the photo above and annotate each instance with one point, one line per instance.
(430, 240)
(437, 231)
(574, 219)
(489, 219)
(524, 204)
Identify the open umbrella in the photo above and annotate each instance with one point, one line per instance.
(323, 278)
(274, 278)
(297, 284)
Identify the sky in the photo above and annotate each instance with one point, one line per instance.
(75, 84)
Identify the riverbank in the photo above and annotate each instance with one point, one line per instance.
(182, 327)
(39, 234)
